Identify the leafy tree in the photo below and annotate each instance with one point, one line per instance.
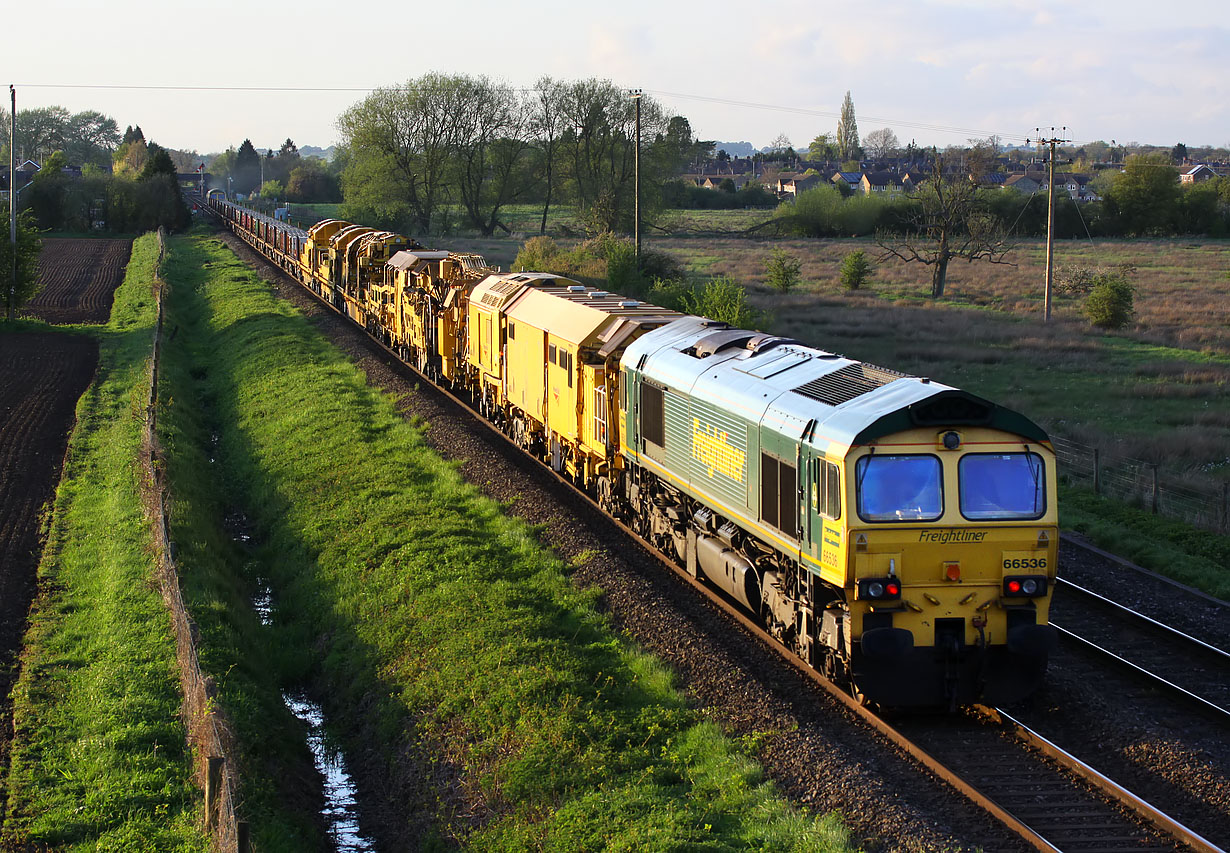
(882, 143)
(1178, 154)
(1144, 197)
(491, 160)
(90, 138)
(247, 169)
(947, 220)
(598, 148)
(19, 291)
(311, 181)
(823, 149)
(720, 299)
(401, 141)
(782, 271)
(158, 162)
(856, 269)
(847, 131)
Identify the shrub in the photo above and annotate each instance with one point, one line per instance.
(622, 275)
(1109, 305)
(539, 254)
(855, 270)
(724, 300)
(782, 271)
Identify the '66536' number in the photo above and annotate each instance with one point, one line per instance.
(1025, 563)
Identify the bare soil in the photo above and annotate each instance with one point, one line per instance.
(78, 279)
(41, 376)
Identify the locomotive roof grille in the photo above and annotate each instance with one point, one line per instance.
(847, 383)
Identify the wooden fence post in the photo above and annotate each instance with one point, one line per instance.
(213, 790)
(1155, 489)
(1097, 472)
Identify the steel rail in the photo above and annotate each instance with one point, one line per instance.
(1174, 632)
(1186, 695)
(753, 628)
(1220, 656)
(1109, 786)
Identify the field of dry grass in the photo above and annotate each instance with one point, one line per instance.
(1159, 390)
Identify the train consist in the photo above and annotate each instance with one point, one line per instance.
(896, 533)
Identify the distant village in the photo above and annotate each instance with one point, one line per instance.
(901, 175)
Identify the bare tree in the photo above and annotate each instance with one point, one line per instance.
(946, 221)
(881, 144)
(547, 123)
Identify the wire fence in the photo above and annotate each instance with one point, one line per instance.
(208, 730)
(1135, 481)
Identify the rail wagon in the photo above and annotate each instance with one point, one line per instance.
(544, 352)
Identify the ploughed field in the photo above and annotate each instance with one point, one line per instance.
(41, 376)
(79, 278)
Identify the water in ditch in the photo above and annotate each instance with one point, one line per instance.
(341, 807)
(341, 813)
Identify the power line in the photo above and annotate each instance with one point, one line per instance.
(781, 108)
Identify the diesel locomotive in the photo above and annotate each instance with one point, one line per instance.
(898, 534)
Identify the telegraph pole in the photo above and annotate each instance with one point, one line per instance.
(1050, 214)
(13, 198)
(636, 94)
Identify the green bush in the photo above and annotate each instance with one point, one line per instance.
(782, 271)
(719, 299)
(539, 254)
(1109, 305)
(602, 261)
(855, 270)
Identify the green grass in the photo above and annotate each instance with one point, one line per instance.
(99, 760)
(217, 573)
(1195, 557)
(443, 635)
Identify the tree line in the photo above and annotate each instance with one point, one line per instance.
(442, 145)
(138, 192)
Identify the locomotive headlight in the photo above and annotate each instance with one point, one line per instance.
(1029, 586)
(875, 589)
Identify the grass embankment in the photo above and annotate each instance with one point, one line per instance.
(99, 760)
(440, 633)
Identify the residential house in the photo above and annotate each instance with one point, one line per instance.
(1025, 182)
(850, 180)
(887, 183)
(713, 182)
(791, 184)
(1197, 174)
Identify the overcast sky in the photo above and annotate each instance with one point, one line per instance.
(936, 71)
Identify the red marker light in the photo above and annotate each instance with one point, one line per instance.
(1014, 586)
(892, 588)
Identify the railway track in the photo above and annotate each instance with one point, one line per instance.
(1188, 669)
(1050, 799)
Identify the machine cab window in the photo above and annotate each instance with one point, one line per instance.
(899, 488)
(1002, 486)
